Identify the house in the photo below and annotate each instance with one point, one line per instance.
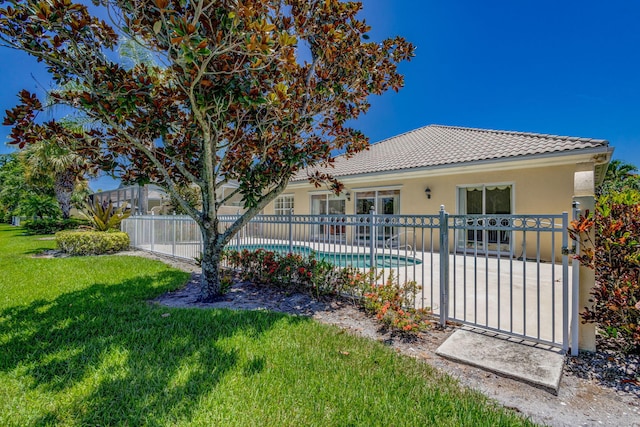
(151, 199)
(469, 171)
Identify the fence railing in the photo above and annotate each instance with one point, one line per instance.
(507, 273)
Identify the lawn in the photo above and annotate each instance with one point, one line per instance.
(81, 345)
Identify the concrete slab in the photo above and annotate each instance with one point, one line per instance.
(534, 364)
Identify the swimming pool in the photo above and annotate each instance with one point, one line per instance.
(358, 260)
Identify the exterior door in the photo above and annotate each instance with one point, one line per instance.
(485, 204)
(329, 207)
(385, 202)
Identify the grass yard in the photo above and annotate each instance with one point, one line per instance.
(80, 345)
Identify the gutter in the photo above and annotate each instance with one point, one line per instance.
(599, 155)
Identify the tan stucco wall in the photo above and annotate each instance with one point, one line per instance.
(537, 190)
(540, 190)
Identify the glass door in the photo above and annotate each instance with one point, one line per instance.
(365, 201)
(488, 202)
(388, 204)
(328, 205)
(385, 202)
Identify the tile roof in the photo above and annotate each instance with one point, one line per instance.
(437, 145)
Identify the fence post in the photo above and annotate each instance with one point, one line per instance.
(372, 237)
(174, 222)
(444, 266)
(240, 233)
(575, 289)
(565, 281)
(584, 193)
(153, 232)
(290, 221)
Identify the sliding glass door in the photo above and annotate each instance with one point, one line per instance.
(329, 204)
(385, 202)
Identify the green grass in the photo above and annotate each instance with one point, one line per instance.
(81, 345)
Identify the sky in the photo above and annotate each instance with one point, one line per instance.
(553, 67)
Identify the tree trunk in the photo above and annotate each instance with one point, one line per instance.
(210, 289)
(63, 187)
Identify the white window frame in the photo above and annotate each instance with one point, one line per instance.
(484, 190)
(284, 204)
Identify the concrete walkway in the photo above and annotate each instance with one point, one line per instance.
(534, 364)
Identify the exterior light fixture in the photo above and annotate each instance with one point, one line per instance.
(427, 191)
(348, 195)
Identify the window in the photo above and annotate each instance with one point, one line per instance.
(485, 200)
(283, 205)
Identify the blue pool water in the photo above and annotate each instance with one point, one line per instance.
(342, 260)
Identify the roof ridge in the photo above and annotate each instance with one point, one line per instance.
(371, 144)
(438, 145)
(519, 133)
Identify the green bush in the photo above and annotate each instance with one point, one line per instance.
(91, 242)
(51, 225)
(40, 206)
(390, 302)
(291, 271)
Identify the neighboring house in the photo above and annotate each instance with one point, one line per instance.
(469, 171)
(150, 199)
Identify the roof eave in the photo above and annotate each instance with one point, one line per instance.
(599, 155)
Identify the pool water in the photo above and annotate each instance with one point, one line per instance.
(358, 260)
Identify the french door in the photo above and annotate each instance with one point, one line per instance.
(485, 204)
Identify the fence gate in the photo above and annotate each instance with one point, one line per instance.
(507, 273)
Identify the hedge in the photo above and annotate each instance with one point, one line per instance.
(50, 225)
(91, 242)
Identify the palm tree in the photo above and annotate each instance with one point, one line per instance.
(619, 175)
(619, 170)
(52, 159)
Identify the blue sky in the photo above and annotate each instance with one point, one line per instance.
(554, 67)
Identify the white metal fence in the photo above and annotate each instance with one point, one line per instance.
(507, 273)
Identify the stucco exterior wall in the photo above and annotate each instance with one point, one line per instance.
(536, 190)
(539, 190)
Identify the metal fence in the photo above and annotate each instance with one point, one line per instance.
(507, 273)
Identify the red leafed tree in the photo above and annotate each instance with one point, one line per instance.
(249, 91)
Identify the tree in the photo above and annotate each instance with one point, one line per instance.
(13, 186)
(250, 91)
(619, 176)
(53, 159)
(18, 195)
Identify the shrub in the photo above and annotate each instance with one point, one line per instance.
(394, 304)
(105, 216)
(391, 302)
(5, 215)
(40, 206)
(615, 257)
(50, 225)
(290, 271)
(91, 242)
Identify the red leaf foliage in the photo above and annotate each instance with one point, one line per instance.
(614, 254)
